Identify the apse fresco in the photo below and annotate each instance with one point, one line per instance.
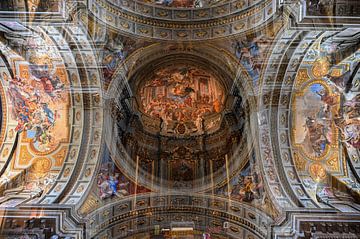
(182, 97)
(313, 121)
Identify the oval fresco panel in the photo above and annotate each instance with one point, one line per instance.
(314, 130)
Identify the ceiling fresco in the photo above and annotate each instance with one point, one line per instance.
(182, 95)
(179, 118)
(38, 103)
(323, 113)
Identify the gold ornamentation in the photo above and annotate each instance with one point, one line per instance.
(76, 134)
(94, 79)
(217, 204)
(317, 171)
(93, 154)
(106, 213)
(125, 3)
(202, 14)
(288, 80)
(145, 10)
(277, 191)
(97, 116)
(77, 97)
(235, 209)
(285, 156)
(72, 153)
(125, 25)
(291, 175)
(164, 34)
(201, 33)
(182, 14)
(182, 34)
(239, 26)
(60, 156)
(78, 116)
(123, 206)
(80, 189)
(302, 77)
(299, 162)
(11, 133)
(67, 172)
(333, 163)
(96, 136)
(220, 31)
(141, 222)
(74, 78)
(220, 11)
(109, 18)
(96, 98)
(41, 165)
(5, 76)
(284, 99)
(58, 188)
(5, 152)
(163, 13)
(283, 119)
(160, 219)
(88, 172)
(295, 63)
(300, 192)
(239, 4)
(283, 138)
(25, 155)
(321, 67)
(140, 203)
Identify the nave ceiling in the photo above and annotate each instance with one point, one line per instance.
(121, 118)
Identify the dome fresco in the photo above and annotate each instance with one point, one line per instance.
(164, 119)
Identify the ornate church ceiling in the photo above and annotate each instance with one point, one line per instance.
(179, 118)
